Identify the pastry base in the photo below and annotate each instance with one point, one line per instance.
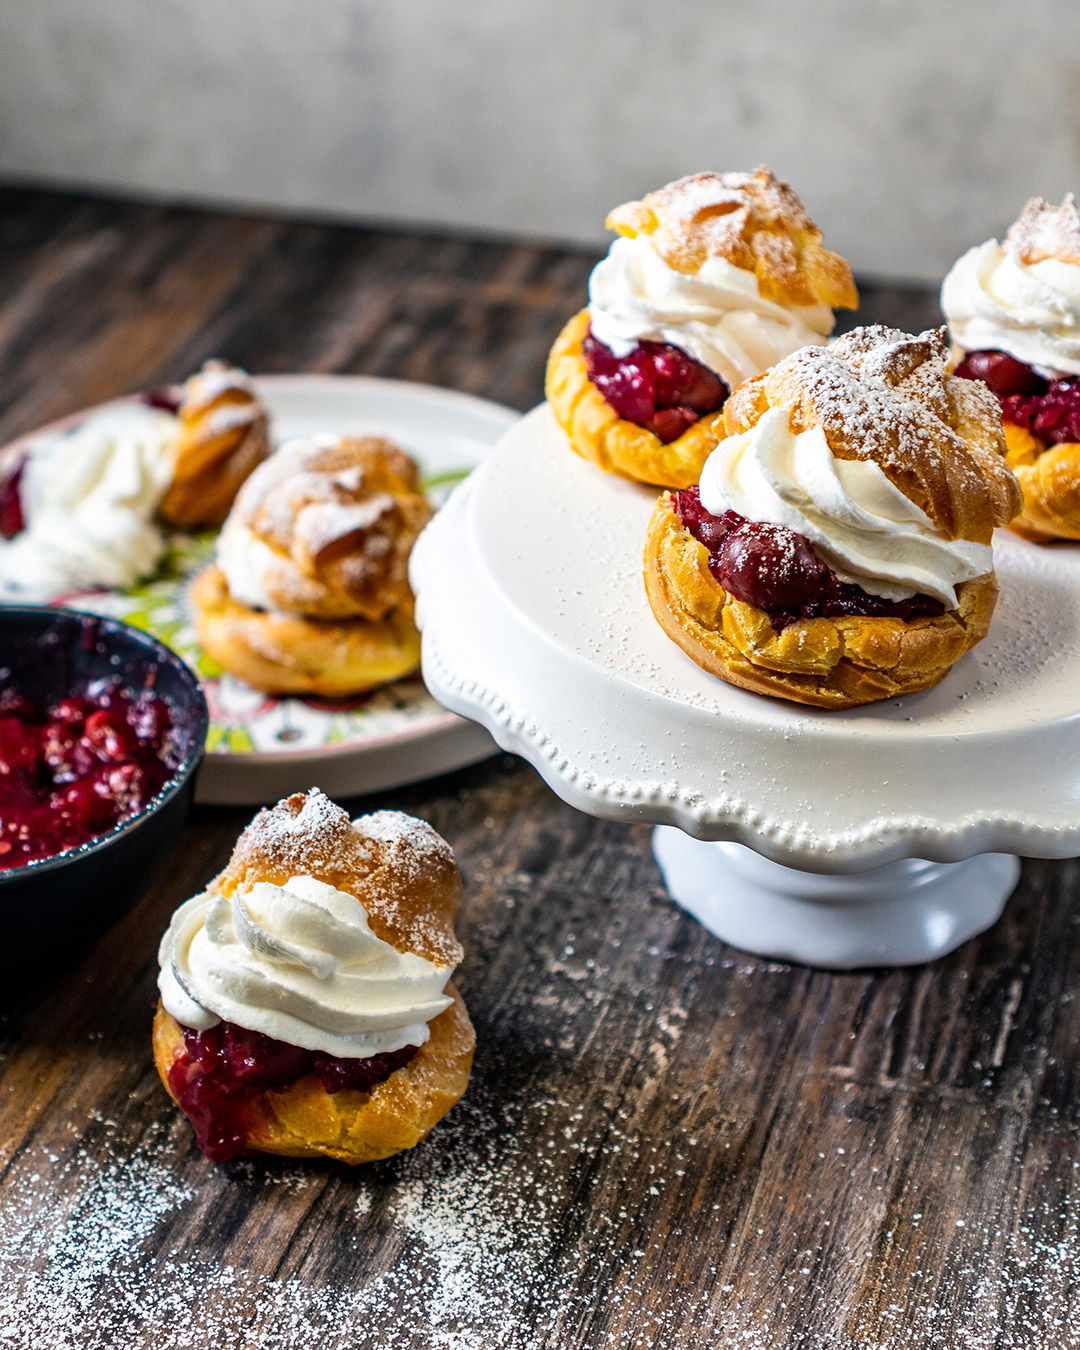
(291, 654)
(598, 433)
(1050, 478)
(306, 1121)
(827, 663)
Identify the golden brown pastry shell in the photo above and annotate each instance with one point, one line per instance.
(306, 1121)
(211, 466)
(1050, 479)
(598, 433)
(828, 663)
(290, 654)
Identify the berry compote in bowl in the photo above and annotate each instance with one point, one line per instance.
(101, 731)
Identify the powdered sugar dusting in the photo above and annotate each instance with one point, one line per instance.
(881, 394)
(471, 1243)
(230, 416)
(212, 381)
(1045, 231)
(395, 827)
(307, 833)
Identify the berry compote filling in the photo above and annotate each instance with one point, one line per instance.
(1049, 409)
(12, 516)
(776, 570)
(75, 769)
(221, 1070)
(656, 386)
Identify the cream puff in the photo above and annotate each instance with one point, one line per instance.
(712, 280)
(224, 433)
(305, 1006)
(837, 548)
(1013, 311)
(310, 591)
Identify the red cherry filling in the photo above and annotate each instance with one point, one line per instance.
(77, 769)
(221, 1070)
(161, 398)
(656, 386)
(12, 519)
(777, 570)
(1049, 409)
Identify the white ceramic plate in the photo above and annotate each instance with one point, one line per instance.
(261, 748)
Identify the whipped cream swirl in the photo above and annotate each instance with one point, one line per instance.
(859, 523)
(88, 499)
(299, 963)
(716, 314)
(992, 299)
(245, 560)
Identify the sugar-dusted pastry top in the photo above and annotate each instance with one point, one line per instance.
(1022, 296)
(753, 221)
(727, 267)
(886, 397)
(325, 933)
(324, 528)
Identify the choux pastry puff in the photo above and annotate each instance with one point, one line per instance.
(837, 549)
(306, 1007)
(713, 279)
(310, 591)
(1013, 312)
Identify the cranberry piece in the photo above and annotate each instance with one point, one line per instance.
(768, 566)
(107, 733)
(777, 570)
(19, 745)
(358, 1075)
(668, 424)
(1005, 375)
(656, 385)
(73, 712)
(12, 519)
(160, 398)
(706, 528)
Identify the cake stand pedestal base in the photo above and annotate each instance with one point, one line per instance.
(900, 914)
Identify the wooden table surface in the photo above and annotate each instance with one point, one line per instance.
(666, 1142)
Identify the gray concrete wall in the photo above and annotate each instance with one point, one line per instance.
(910, 130)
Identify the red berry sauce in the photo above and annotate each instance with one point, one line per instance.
(221, 1070)
(12, 518)
(1049, 409)
(656, 386)
(777, 570)
(76, 769)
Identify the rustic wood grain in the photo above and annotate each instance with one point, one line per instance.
(666, 1142)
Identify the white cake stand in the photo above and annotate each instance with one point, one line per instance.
(883, 836)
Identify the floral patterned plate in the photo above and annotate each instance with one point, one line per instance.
(261, 748)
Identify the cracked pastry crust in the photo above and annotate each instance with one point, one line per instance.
(752, 220)
(326, 527)
(224, 436)
(829, 663)
(877, 394)
(305, 1121)
(598, 433)
(1050, 478)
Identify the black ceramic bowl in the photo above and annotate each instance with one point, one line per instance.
(59, 903)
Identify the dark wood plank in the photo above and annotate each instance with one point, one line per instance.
(666, 1142)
